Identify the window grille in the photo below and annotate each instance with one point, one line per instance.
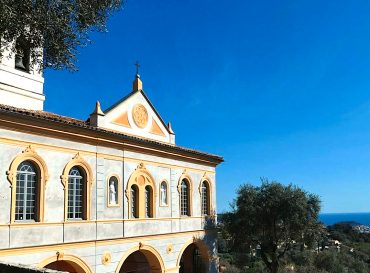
(184, 198)
(134, 197)
(197, 261)
(148, 191)
(75, 194)
(205, 199)
(25, 203)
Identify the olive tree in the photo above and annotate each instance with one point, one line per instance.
(272, 218)
(59, 27)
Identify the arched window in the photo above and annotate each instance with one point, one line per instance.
(164, 194)
(28, 175)
(77, 180)
(134, 201)
(76, 194)
(148, 202)
(205, 198)
(184, 198)
(141, 194)
(26, 192)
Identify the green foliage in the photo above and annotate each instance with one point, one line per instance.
(334, 262)
(345, 233)
(57, 26)
(273, 217)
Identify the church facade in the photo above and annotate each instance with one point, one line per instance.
(113, 193)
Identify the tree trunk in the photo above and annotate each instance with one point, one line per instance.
(274, 267)
(271, 261)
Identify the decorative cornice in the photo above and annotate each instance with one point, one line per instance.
(39, 122)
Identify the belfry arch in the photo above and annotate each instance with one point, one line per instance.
(141, 259)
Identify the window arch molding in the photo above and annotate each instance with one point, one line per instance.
(142, 178)
(79, 162)
(29, 154)
(185, 176)
(207, 180)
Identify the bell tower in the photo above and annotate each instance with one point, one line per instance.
(20, 84)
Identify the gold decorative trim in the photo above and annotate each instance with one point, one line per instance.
(40, 224)
(106, 258)
(152, 255)
(169, 248)
(205, 253)
(99, 243)
(42, 174)
(60, 255)
(79, 135)
(78, 161)
(99, 155)
(141, 177)
(28, 154)
(83, 266)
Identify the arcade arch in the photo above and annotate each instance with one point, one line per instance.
(141, 259)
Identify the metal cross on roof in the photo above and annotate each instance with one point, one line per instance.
(137, 67)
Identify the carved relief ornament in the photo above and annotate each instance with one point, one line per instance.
(28, 154)
(77, 160)
(140, 115)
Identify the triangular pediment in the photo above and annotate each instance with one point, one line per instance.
(135, 115)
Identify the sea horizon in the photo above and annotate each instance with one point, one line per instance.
(331, 218)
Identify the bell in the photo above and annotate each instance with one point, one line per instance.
(19, 61)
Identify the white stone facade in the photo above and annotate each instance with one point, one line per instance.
(19, 88)
(106, 238)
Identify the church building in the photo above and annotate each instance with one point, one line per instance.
(112, 193)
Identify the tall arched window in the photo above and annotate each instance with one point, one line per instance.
(205, 198)
(134, 201)
(77, 180)
(164, 194)
(27, 175)
(184, 198)
(26, 192)
(148, 202)
(76, 194)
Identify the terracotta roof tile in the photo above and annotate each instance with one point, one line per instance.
(37, 114)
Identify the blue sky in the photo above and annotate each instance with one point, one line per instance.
(279, 88)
